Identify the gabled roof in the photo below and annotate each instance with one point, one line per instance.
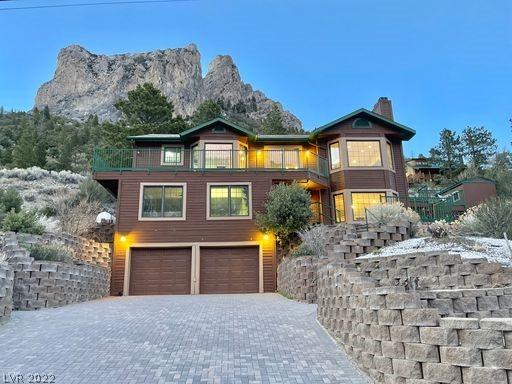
(406, 131)
(475, 179)
(169, 137)
(222, 121)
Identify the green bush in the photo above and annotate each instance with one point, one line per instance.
(10, 200)
(51, 253)
(302, 250)
(48, 211)
(493, 218)
(287, 210)
(24, 221)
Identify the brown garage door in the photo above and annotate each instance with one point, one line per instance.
(229, 270)
(160, 271)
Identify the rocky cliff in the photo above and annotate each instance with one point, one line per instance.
(85, 83)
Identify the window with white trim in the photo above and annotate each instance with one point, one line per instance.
(229, 200)
(339, 208)
(364, 153)
(162, 201)
(389, 154)
(172, 155)
(335, 155)
(364, 200)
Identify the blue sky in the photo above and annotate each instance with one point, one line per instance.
(444, 63)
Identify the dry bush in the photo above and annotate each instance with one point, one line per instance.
(314, 239)
(76, 218)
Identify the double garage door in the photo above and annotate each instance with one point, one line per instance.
(172, 271)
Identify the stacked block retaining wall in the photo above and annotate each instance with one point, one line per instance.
(395, 337)
(6, 285)
(46, 284)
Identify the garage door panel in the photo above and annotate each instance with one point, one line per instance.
(160, 271)
(229, 270)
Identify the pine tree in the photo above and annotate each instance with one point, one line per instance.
(448, 153)
(24, 154)
(273, 123)
(207, 110)
(479, 145)
(147, 110)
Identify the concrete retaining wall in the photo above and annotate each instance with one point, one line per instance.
(6, 283)
(392, 336)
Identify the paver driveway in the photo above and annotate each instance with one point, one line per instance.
(261, 338)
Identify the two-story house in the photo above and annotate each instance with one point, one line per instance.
(186, 202)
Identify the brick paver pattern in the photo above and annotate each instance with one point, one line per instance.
(260, 338)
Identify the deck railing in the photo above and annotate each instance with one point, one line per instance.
(157, 159)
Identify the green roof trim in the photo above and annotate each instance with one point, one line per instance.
(481, 179)
(215, 121)
(165, 137)
(283, 138)
(407, 132)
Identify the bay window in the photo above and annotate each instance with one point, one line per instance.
(363, 200)
(335, 155)
(364, 153)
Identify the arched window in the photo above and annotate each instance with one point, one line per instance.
(361, 123)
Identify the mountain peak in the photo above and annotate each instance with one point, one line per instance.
(86, 83)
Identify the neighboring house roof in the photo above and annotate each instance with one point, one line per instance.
(406, 131)
(476, 179)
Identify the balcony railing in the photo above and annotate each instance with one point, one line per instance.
(156, 159)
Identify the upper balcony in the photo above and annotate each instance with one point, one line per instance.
(179, 159)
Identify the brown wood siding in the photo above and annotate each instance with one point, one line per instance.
(338, 181)
(160, 271)
(476, 193)
(366, 179)
(195, 229)
(229, 270)
(402, 186)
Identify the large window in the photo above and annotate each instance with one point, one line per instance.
(389, 153)
(364, 154)
(229, 201)
(334, 153)
(363, 200)
(282, 157)
(339, 208)
(172, 156)
(162, 201)
(218, 155)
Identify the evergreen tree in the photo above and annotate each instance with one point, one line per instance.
(479, 145)
(273, 123)
(46, 113)
(27, 151)
(207, 110)
(147, 110)
(448, 153)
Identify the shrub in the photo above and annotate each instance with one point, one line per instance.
(48, 211)
(24, 221)
(393, 213)
(493, 218)
(51, 252)
(467, 223)
(302, 250)
(90, 190)
(10, 200)
(287, 210)
(315, 239)
(76, 218)
(439, 229)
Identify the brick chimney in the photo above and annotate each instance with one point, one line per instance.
(383, 107)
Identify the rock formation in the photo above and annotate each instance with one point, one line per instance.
(85, 83)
